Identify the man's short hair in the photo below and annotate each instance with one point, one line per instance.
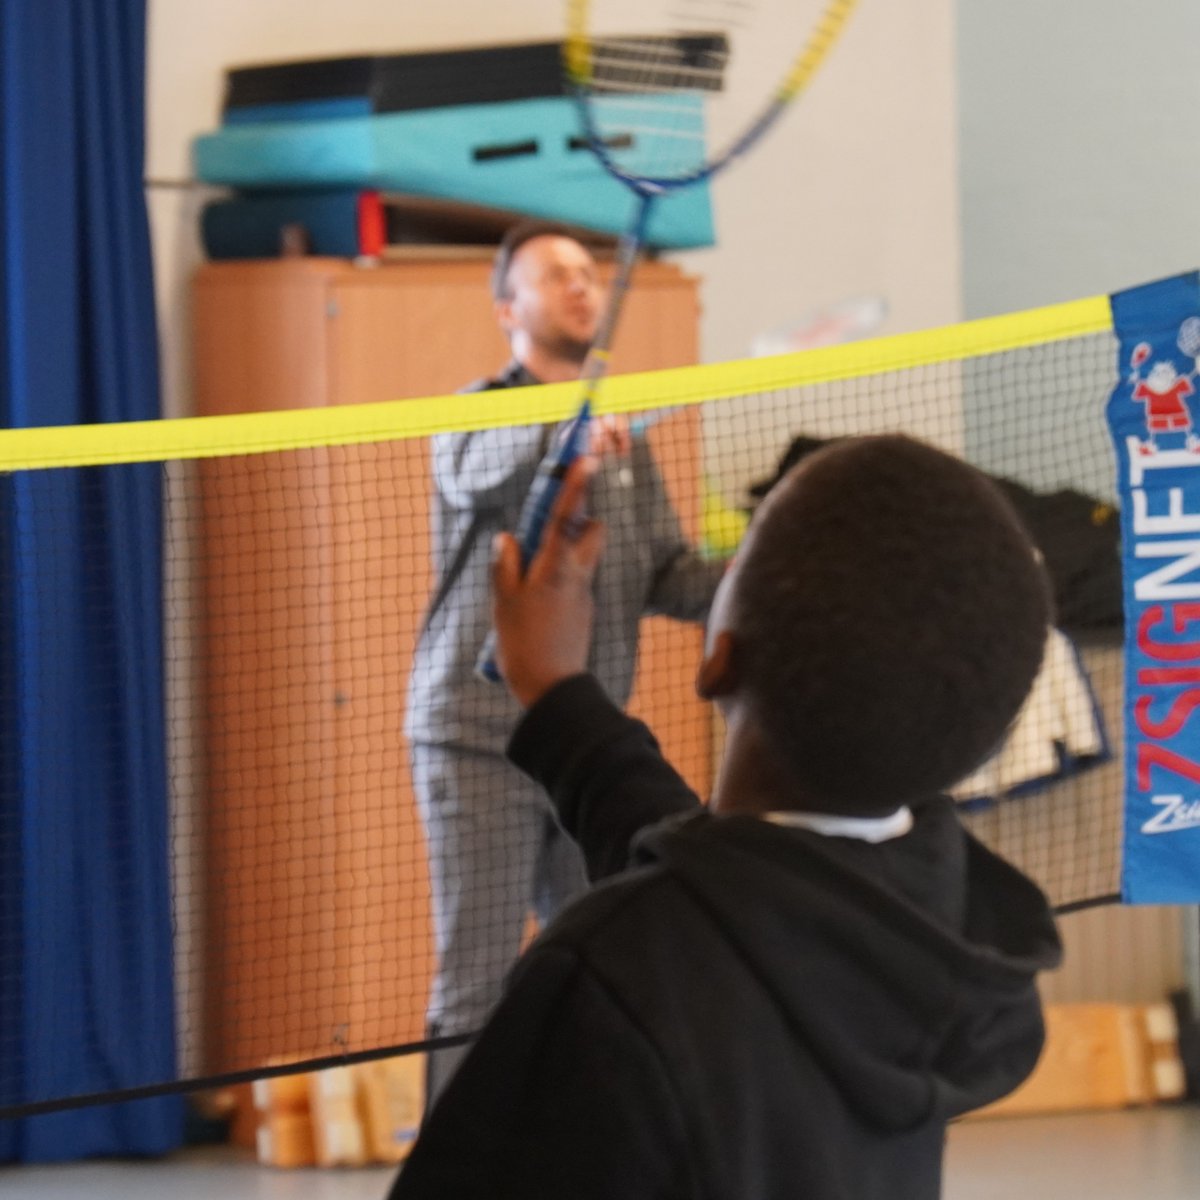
(513, 240)
(892, 616)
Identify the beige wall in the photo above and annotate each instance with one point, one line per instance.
(855, 194)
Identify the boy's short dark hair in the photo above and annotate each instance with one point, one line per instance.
(892, 617)
(513, 240)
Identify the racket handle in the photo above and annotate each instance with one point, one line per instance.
(485, 664)
(535, 513)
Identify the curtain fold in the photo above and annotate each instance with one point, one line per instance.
(86, 975)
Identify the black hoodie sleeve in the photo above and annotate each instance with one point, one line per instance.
(604, 771)
(561, 1098)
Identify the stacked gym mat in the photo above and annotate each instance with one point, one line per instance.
(492, 127)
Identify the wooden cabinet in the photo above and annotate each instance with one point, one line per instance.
(314, 573)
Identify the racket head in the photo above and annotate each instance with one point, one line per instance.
(1141, 352)
(1189, 337)
(670, 91)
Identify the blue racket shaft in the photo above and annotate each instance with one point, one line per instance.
(535, 513)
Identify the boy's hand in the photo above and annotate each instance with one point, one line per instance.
(543, 620)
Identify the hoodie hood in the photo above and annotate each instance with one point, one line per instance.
(912, 979)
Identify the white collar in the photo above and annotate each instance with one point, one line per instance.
(866, 829)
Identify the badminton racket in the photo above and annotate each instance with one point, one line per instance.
(664, 111)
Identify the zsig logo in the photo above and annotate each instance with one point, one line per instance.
(1174, 815)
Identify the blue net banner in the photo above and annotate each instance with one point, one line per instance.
(1154, 418)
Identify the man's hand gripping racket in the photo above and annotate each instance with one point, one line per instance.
(542, 613)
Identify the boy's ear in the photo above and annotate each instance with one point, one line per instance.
(717, 675)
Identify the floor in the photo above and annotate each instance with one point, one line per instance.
(1148, 1154)
(1138, 1154)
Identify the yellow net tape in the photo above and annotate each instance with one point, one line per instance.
(296, 429)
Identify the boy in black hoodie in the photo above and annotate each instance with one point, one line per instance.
(787, 994)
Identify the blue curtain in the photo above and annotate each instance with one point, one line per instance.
(86, 993)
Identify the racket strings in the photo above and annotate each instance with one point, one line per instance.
(688, 103)
(650, 91)
(1189, 337)
(724, 14)
(618, 72)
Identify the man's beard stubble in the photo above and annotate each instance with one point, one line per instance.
(570, 349)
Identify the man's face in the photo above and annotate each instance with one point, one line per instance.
(554, 297)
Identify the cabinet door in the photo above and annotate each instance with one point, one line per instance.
(264, 583)
(259, 336)
(314, 578)
(381, 580)
(397, 332)
(427, 328)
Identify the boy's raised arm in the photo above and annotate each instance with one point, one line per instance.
(603, 770)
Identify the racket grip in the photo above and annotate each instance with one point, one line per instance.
(485, 664)
(534, 515)
(529, 535)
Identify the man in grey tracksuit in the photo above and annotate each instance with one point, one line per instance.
(495, 848)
